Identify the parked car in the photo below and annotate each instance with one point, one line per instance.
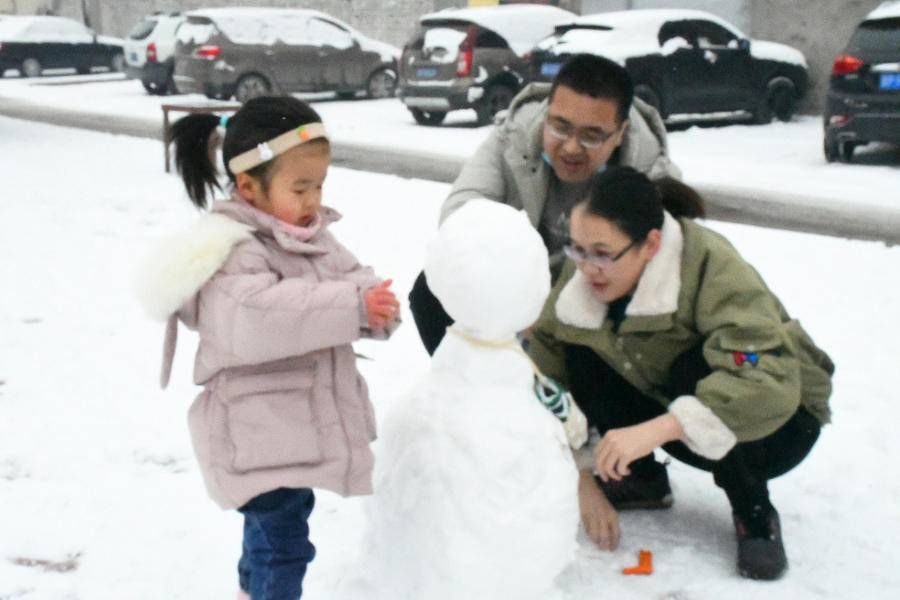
(863, 101)
(248, 52)
(150, 51)
(471, 58)
(33, 44)
(685, 62)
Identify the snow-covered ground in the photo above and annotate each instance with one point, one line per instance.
(781, 157)
(100, 497)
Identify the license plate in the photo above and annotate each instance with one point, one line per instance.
(550, 69)
(426, 73)
(890, 81)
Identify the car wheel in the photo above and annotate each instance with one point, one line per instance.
(779, 101)
(31, 67)
(496, 98)
(117, 63)
(381, 84)
(846, 150)
(431, 117)
(252, 86)
(832, 149)
(149, 87)
(83, 69)
(649, 95)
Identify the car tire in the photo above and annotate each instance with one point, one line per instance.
(31, 67)
(496, 98)
(779, 101)
(649, 95)
(430, 117)
(83, 69)
(832, 149)
(150, 88)
(382, 83)
(117, 63)
(846, 150)
(252, 86)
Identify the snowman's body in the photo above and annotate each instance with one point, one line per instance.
(476, 489)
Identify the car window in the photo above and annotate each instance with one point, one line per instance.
(881, 34)
(488, 39)
(712, 35)
(441, 44)
(196, 31)
(143, 29)
(323, 33)
(685, 31)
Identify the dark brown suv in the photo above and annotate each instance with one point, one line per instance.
(249, 52)
(471, 58)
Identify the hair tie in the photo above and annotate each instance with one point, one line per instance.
(223, 121)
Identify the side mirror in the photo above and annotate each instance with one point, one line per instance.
(744, 45)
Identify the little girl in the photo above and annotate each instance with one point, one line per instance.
(277, 302)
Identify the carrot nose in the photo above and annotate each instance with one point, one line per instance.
(644, 566)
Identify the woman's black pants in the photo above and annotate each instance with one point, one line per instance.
(609, 401)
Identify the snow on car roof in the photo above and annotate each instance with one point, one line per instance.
(887, 10)
(243, 25)
(651, 18)
(12, 27)
(522, 26)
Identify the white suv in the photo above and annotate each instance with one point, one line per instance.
(150, 51)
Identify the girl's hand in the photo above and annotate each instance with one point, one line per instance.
(619, 447)
(600, 519)
(382, 306)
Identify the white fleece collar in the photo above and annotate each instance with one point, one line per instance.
(183, 263)
(656, 294)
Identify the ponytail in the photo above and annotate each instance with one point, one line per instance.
(680, 199)
(628, 199)
(195, 155)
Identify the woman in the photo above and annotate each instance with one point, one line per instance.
(668, 338)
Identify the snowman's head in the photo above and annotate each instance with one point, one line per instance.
(489, 268)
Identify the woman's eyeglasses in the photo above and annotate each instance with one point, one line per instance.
(589, 139)
(599, 260)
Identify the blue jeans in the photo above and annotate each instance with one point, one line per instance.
(276, 544)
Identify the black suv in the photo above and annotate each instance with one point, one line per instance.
(863, 103)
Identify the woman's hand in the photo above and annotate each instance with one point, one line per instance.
(601, 521)
(620, 447)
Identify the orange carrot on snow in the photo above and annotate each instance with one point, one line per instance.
(644, 566)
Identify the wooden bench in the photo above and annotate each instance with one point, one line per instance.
(191, 108)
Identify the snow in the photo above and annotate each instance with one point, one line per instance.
(96, 464)
(652, 19)
(520, 26)
(441, 44)
(886, 10)
(764, 50)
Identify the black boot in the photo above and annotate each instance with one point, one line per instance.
(647, 487)
(760, 553)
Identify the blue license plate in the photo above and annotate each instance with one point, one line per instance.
(550, 69)
(426, 73)
(890, 81)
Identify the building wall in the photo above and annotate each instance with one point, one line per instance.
(818, 28)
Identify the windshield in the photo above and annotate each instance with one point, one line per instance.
(883, 34)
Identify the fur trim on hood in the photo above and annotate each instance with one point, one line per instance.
(183, 263)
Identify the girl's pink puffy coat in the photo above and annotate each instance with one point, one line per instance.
(283, 404)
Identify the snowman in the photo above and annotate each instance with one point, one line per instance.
(475, 495)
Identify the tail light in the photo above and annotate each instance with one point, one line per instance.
(151, 52)
(466, 54)
(839, 120)
(208, 52)
(845, 64)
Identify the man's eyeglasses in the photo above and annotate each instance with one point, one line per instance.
(600, 261)
(589, 139)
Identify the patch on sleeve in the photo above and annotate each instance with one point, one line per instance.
(745, 357)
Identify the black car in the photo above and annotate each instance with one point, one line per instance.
(863, 102)
(33, 44)
(685, 62)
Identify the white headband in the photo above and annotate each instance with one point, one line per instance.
(268, 150)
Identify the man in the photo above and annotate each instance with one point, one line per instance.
(542, 155)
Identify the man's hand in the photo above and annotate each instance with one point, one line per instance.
(620, 447)
(601, 521)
